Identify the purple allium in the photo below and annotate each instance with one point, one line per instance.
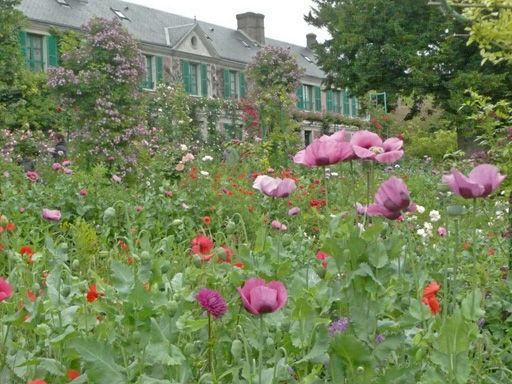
(212, 301)
(380, 338)
(339, 326)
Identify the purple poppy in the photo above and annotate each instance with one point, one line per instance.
(369, 146)
(274, 187)
(481, 181)
(259, 297)
(391, 199)
(325, 151)
(212, 302)
(51, 214)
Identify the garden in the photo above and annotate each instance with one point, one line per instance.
(151, 249)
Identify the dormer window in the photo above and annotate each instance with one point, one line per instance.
(64, 3)
(119, 14)
(307, 59)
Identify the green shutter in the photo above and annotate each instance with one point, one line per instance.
(22, 36)
(159, 69)
(318, 99)
(330, 107)
(227, 84)
(53, 51)
(300, 97)
(185, 74)
(346, 103)
(354, 106)
(204, 80)
(242, 84)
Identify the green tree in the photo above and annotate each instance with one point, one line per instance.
(11, 59)
(406, 48)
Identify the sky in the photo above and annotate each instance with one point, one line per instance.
(284, 19)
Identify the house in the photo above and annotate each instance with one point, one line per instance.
(210, 59)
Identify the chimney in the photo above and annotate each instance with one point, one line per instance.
(252, 24)
(311, 40)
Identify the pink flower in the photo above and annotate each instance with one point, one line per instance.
(66, 163)
(293, 211)
(368, 145)
(276, 224)
(56, 166)
(391, 199)
(68, 171)
(32, 175)
(441, 231)
(259, 297)
(325, 150)
(116, 179)
(212, 302)
(5, 289)
(84, 192)
(51, 214)
(274, 187)
(481, 181)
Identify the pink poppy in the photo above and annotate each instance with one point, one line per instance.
(259, 297)
(481, 181)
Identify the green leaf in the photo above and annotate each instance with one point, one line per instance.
(470, 305)
(318, 353)
(122, 277)
(377, 255)
(455, 335)
(99, 358)
(354, 353)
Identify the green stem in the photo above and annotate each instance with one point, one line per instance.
(262, 340)
(210, 348)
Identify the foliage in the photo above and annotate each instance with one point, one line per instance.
(274, 75)
(406, 48)
(98, 81)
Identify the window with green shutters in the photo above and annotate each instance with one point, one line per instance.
(346, 103)
(159, 61)
(195, 78)
(353, 111)
(309, 98)
(147, 83)
(40, 51)
(333, 101)
(234, 84)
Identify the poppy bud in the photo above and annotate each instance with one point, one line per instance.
(236, 349)
(455, 210)
(109, 214)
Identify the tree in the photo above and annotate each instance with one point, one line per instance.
(11, 59)
(406, 48)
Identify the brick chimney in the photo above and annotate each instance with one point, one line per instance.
(311, 40)
(253, 25)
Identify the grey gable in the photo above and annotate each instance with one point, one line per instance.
(149, 26)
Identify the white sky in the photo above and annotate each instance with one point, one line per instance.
(284, 19)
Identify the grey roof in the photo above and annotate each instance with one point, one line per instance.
(148, 25)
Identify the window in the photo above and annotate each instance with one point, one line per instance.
(346, 103)
(195, 78)
(148, 80)
(40, 51)
(34, 51)
(154, 71)
(307, 137)
(334, 101)
(309, 98)
(63, 3)
(234, 84)
(119, 14)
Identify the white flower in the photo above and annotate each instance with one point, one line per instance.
(427, 226)
(361, 227)
(183, 147)
(334, 174)
(204, 173)
(420, 208)
(434, 216)
(207, 158)
(422, 233)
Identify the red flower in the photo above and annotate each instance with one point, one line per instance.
(207, 220)
(1, 229)
(228, 252)
(317, 203)
(72, 374)
(202, 246)
(31, 296)
(430, 299)
(37, 381)
(27, 251)
(239, 265)
(10, 227)
(322, 256)
(92, 293)
(122, 245)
